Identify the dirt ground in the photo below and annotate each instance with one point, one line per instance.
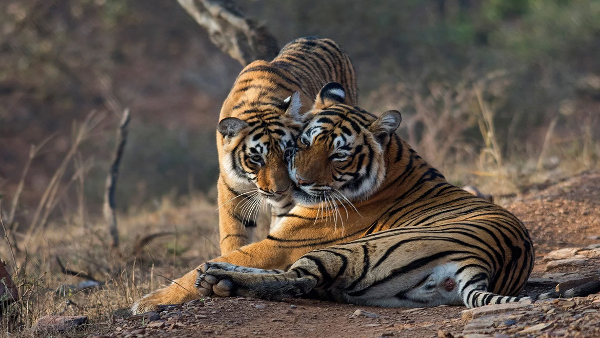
(560, 215)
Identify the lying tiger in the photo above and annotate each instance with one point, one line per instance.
(259, 122)
(397, 234)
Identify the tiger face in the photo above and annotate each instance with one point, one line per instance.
(339, 152)
(255, 149)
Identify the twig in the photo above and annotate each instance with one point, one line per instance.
(111, 181)
(74, 273)
(241, 38)
(549, 133)
(142, 242)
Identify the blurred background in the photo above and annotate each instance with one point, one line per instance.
(500, 94)
(491, 91)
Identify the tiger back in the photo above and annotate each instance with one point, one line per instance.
(259, 122)
(387, 228)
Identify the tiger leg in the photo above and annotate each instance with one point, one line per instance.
(227, 280)
(473, 287)
(265, 254)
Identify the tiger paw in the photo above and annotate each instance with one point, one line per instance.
(210, 285)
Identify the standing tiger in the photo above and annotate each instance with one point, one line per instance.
(408, 237)
(258, 123)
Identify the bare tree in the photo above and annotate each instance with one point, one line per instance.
(241, 38)
(111, 181)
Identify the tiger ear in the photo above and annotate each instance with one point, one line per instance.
(293, 106)
(385, 125)
(332, 93)
(231, 126)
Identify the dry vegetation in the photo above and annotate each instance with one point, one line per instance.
(507, 114)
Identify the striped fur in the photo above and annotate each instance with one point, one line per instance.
(259, 122)
(409, 238)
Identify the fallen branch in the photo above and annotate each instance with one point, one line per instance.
(142, 242)
(79, 274)
(241, 38)
(111, 181)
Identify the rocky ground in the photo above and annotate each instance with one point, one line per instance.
(564, 222)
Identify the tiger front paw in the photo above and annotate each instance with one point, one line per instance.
(208, 284)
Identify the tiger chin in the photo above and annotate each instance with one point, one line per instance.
(405, 237)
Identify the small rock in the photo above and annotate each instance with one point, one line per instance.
(293, 306)
(277, 320)
(535, 328)
(59, 323)
(138, 331)
(565, 262)
(493, 309)
(363, 313)
(564, 286)
(387, 334)
(156, 325)
(372, 325)
(561, 254)
(444, 334)
(260, 306)
(591, 253)
(510, 322)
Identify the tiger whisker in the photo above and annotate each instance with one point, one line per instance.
(247, 205)
(350, 203)
(327, 201)
(245, 208)
(318, 209)
(338, 209)
(341, 202)
(240, 195)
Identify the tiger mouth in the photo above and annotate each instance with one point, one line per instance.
(276, 196)
(311, 197)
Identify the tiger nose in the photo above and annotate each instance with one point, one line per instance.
(301, 181)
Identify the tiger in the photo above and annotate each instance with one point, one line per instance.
(258, 123)
(410, 238)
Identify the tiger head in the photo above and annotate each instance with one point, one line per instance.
(254, 146)
(340, 150)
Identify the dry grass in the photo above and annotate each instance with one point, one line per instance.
(44, 290)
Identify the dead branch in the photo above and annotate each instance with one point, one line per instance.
(8, 290)
(143, 241)
(241, 38)
(111, 181)
(79, 274)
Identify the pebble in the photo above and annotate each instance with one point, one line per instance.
(561, 254)
(535, 328)
(493, 309)
(363, 313)
(59, 323)
(565, 263)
